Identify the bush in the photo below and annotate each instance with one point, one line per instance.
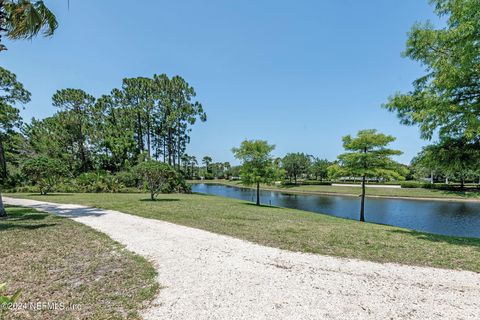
(158, 177)
(100, 181)
(128, 178)
(413, 184)
(208, 176)
(44, 172)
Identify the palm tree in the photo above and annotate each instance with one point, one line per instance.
(24, 19)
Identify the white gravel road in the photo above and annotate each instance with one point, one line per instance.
(210, 276)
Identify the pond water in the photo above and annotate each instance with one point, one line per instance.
(441, 217)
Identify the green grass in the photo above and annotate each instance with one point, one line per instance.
(382, 192)
(54, 259)
(291, 229)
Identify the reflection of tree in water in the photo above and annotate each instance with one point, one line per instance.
(458, 209)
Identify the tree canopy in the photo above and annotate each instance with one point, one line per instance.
(257, 163)
(296, 164)
(447, 97)
(368, 156)
(24, 19)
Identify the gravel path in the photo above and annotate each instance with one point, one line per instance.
(210, 276)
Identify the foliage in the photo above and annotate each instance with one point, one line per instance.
(158, 177)
(5, 300)
(12, 92)
(319, 168)
(99, 181)
(296, 164)
(257, 163)
(368, 157)
(24, 19)
(456, 159)
(448, 95)
(44, 172)
(76, 105)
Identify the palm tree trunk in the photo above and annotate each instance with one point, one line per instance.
(3, 213)
(362, 204)
(258, 193)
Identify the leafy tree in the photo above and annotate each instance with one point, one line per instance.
(296, 164)
(257, 163)
(12, 93)
(44, 172)
(156, 175)
(319, 168)
(207, 160)
(77, 106)
(447, 97)
(426, 164)
(112, 136)
(454, 158)
(368, 157)
(24, 19)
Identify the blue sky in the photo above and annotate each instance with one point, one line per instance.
(300, 74)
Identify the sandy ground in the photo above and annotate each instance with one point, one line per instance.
(209, 276)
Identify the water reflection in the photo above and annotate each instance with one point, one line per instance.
(448, 218)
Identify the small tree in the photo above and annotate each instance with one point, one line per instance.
(296, 164)
(369, 157)
(157, 176)
(44, 172)
(257, 163)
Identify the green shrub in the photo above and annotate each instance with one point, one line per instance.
(414, 184)
(100, 181)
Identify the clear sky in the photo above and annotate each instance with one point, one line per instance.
(300, 74)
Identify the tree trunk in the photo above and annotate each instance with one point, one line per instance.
(462, 183)
(152, 196)
(362, 203)
(258, 193)
(3, 162)
(148, 135)
(3, 213)
(295, 178)
(431, 177)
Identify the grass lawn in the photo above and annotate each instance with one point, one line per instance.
(383, 192)
(54, 259)
(291, 229)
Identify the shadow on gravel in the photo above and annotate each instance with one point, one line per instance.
(64, 211)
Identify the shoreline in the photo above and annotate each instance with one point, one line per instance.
(325, 193)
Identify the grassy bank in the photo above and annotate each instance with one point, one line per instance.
(54, 259)
(291, 229)
(355, 191)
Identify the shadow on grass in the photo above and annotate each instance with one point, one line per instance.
(49, 195)
(159, 200)
(8, 226)
(460, 241)
(261, 205)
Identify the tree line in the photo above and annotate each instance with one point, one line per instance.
(146, 118)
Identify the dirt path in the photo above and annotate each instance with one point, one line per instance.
(210, 276)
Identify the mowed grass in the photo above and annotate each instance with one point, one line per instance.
(291, 229)
(382, 192)
(57, 260)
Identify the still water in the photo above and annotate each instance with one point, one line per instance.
(442, 217)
